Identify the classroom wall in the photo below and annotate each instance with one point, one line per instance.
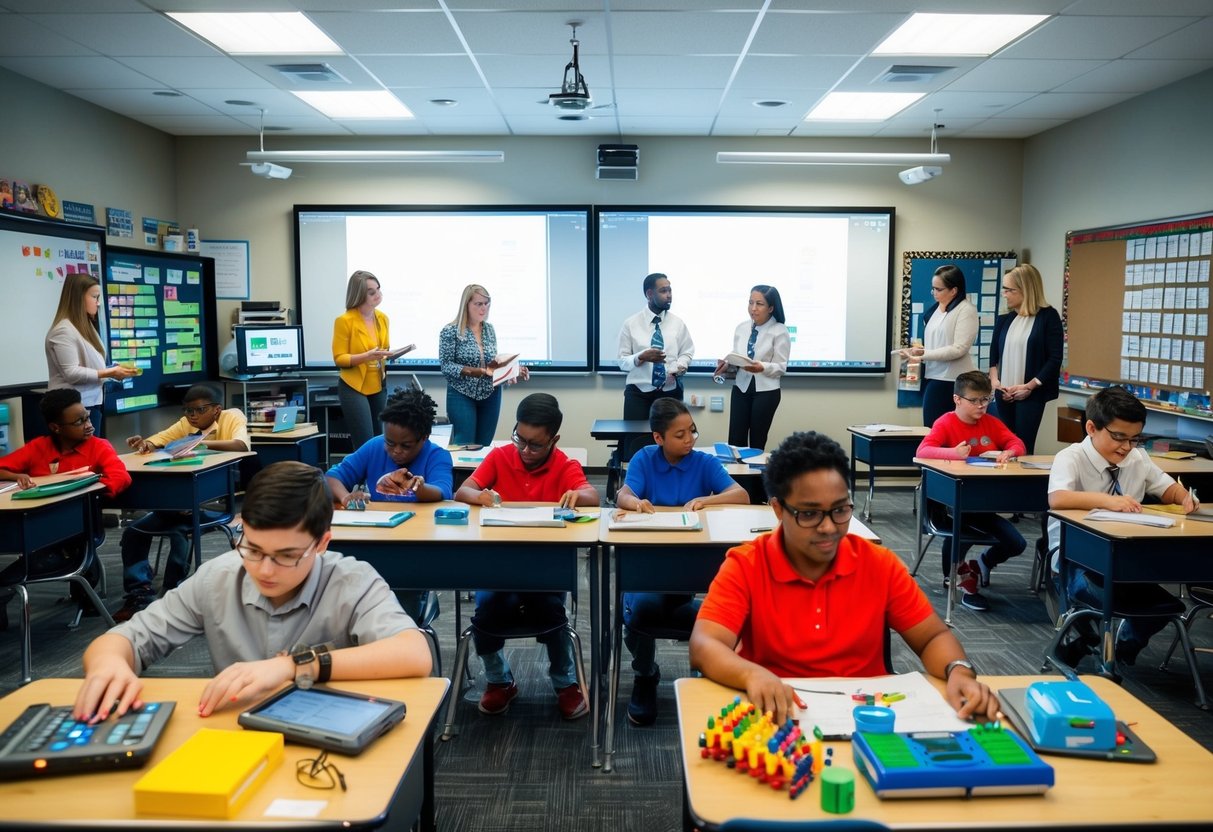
(974, 206)
(1147, 158)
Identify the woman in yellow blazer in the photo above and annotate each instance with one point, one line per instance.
(360, 348)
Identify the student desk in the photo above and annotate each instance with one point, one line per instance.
(678, 562)
(464, 462)
(876, 448)
(1129, 553)
(1086, 793)
(303, 444)
(420, 554)
(390, 784)
(181, 487)
(29, 525)
(617, 431)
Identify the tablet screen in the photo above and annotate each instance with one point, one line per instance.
(332, 714)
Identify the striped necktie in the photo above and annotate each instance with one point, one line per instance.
(749, 347)
(1114, 485)
(658, 342)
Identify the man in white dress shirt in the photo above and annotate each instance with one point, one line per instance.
(655, 349)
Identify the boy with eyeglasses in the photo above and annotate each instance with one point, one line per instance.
(530, 469)
(225, 430)
(278, 608)
(809, 600)
(670, 473)
(1107, 470)
(970, 430)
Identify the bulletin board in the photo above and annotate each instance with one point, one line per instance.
(983, 271)
(1137, 309)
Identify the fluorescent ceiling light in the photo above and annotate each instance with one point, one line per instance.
(440, 156)
(862, 106)
(259, 33)
(350, 104)
(740, 157)
(957, 34)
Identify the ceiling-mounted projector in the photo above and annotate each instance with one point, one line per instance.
(922, 173)
(268, 170)
(574, 92)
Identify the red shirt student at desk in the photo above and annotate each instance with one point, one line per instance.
(810, 600)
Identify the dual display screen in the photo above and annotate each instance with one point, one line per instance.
(563, 279)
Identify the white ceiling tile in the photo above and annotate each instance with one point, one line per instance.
(55, 6)
(533, 101)
(471, 102)
(665, 126)
(541, 70)
(484, 125)
(276, 103)
(365, 5)
(531, 33)
(998, 75)
(183, 73)
(348, 68)
(673, 71)
(726, 126)
(739, 103)
(680, 33)
(836, 130)
(25, 37)
(298, 125)
(389, 33)
(1011, 128)
(828, 34)
(83, 72)
(1181, 8)
(385, 127)
(422, 70)
(137, 103)
(1092, 37)
(550, 126)
(667, 102)
(1134, 76)
(951, 104)
(216, 125)
(791, 72)
(1065, 104)
(122, 35)
(921, 130)
(1194, 42)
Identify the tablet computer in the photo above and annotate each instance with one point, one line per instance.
(325, 718)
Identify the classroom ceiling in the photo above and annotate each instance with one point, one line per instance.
(653, 67)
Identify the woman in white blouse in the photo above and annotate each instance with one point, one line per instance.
(764, 340)
(75, 354)
(949, 330)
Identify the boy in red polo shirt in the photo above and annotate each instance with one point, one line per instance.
(810, 600)
(532, 469)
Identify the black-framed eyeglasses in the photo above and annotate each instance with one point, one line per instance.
(812, 518)
(197, 411)
(534, 447)
(980, 401)
(75, 423)
(1121, 439)
(251, 555)
(318, 773)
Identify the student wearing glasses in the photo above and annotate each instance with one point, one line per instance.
(808, 599)
(1108, 470)
(225, 430)
(949, 331)
(970, 430)
(277, 608)
(530, 469)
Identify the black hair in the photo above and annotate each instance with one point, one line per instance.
(411, 409)
(800, 453)
(663, 413)
(973, 381)
(952, 278)
(771, 295)
(56, 401)
(541, 410)
(650, 281)
(1114, 403)
(204, 392)
(288, 495)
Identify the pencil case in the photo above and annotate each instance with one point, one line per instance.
(451, 517)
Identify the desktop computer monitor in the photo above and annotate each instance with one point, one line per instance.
(268, 349)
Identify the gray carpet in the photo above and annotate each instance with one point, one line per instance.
(530, 770)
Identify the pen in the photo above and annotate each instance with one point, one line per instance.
(760, 529)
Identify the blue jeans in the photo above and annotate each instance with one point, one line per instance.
(1087, 588)
(1010, 541)
(654, 610)
(361, 412)
(474, 421)
(1023, 418)
(501, 612)
(136, 545)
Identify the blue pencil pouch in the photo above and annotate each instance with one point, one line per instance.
(451, 517)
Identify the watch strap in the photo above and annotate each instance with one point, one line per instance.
(326, 663)
(955, 663)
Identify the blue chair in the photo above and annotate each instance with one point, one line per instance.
(937, 523)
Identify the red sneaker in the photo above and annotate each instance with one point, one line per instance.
(497, 697)
(571, 703)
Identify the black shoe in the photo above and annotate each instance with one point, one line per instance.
(642, 707)
(1072, 652)
(1126, 652)
(132, 606)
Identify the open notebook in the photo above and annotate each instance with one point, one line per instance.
(661, 521)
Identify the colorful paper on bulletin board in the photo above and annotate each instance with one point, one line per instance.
(983, 271)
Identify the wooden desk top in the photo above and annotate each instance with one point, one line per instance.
(422, 528)
(373, 777)
(138, 463)
(7, 503)
(298, 432)
(912, 432)
(1179, 467)
(1182, 527)
(960, 468)
(754, 517)
(1087, 792)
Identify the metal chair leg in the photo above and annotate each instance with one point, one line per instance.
(613, 696)
(922, 551)
(26, 648)
(1190, 655)
(461, 660)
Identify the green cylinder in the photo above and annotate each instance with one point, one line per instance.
(837, 790)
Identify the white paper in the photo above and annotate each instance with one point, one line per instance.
(923, 709)
(664, 521)
(342, 517)
(738, 523)
(1140, 518)
(538, 516)
(883, 428)
(283, 808)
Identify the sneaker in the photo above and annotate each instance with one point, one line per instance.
(975, 602)
(967, 580)
(962, 570)
(642, 707)
(132, 606)
(497, 697)
(1072, 652)
(979, 567)
(571, 703)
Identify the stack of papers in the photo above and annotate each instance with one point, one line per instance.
(1141, 518)
(383, 519)
(661, 521)
(541, 516)
(920, 706)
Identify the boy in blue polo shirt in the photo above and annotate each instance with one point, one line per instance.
(670, 473)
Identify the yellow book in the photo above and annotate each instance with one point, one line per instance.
(212, 775)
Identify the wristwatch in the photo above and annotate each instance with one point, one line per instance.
(303, 658)
(955, 663)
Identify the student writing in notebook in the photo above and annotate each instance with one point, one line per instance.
(225, 430)
(1108, 470)
(670, 473)
(970, 430)
(530, 469)
(277, 608)
(808, 599)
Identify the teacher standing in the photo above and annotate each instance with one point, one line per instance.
(765, 341)
(75, 354)
(1025, 356)
(467, 351)
(360, 348)
(949, 330)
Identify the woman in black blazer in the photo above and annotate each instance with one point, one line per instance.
(1025, 357)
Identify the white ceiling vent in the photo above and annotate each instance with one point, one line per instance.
(310, 73)
(910, 74)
